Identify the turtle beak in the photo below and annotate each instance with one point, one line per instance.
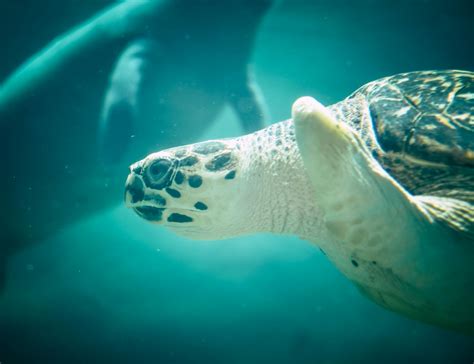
(134, 189)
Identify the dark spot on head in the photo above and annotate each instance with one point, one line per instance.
(150, 213)
(158, 199)
(159, 167)
(195, 181)
(173, 193)
(230, 175)
(188, 161)
(179, 178)
(135, 188)
(374, 262)
(200, 205)
(158, 173)
(175, 217)
(219, 162)
(354, 263)
(137, 169)
(208, 147)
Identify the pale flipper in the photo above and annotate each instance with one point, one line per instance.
(349, 183)
(384, 230)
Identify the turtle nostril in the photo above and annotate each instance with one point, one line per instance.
(137, 169)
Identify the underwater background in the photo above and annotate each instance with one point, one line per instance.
(113, 288)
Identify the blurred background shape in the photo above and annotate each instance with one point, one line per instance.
(112, 288)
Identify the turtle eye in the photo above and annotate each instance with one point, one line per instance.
(159, 172)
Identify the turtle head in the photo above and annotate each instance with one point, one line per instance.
(190, 189)
(226, 188)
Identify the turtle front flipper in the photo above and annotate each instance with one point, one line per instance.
(357, 196)
(120, 109)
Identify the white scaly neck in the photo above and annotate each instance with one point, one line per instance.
(276, 194)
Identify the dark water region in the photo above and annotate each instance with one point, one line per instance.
(113, 288)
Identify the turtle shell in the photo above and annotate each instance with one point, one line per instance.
(427, 115)
(420, 127)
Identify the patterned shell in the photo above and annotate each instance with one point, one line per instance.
(421, 129)
(426, 115)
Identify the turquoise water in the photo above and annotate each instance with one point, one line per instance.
(112, 288)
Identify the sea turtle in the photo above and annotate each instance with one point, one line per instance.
(119, 77)
(382, 182)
